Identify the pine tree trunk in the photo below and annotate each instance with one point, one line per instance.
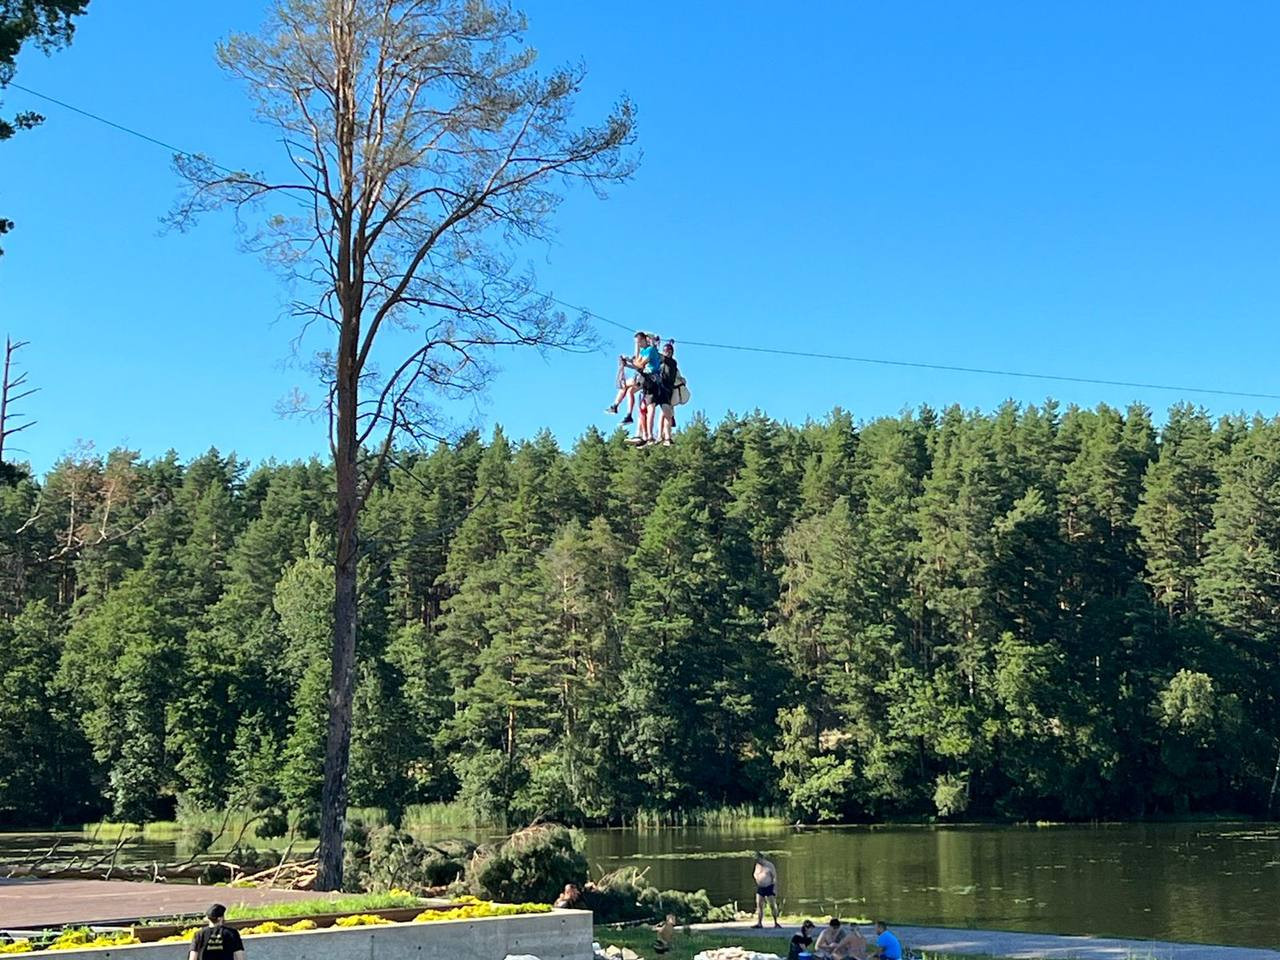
(333, 801)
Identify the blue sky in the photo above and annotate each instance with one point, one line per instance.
(1087, 189)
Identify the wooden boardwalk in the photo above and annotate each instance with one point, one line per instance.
(25, 904)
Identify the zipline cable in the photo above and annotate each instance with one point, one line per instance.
(773, 351)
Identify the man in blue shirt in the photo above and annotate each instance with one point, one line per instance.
(886, 945)
(630, 387)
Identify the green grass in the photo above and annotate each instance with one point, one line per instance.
(275, 911)
(159, 830)
(231, 827)
(429, 818)
(437, 816)
(685, 946)
(744, 815)
(348, 904)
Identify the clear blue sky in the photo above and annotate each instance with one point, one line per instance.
(1089, 189)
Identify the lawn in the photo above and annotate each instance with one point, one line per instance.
(686, 946)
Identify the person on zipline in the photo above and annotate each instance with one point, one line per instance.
(647, 363)
(667, 382)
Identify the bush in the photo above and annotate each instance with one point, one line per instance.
(532, 865)
(385, 859)
(626, 896)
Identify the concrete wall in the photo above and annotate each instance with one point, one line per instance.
(560, 935)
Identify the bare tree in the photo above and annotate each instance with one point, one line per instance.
(423, 151)
(13, 388)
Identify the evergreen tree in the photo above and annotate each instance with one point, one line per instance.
(121, 665)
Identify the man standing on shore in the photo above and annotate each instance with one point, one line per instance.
(765, 875)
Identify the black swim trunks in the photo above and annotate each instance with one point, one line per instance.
(766, 891)
(652, 387)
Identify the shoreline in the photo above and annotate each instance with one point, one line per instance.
(1005, 943)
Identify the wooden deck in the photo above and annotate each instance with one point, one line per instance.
(26, 904)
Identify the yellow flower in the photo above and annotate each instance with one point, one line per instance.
(469, 908)
(360, 920)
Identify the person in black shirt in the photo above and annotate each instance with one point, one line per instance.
(670, 375)
(217, 941)
(802, 941)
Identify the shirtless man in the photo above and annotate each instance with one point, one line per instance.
(765, 875)
(666, 933)
(830, 938)
(837, 943)
(852, 947)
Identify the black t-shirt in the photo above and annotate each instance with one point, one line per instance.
(216, 943)
(799, 942)
(669, 371)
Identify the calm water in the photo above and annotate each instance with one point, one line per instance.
(1213, 883)
(1216, 883)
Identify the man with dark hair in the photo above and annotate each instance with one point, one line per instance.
(646, 363)
(666, 389)
(885, 946)
(217, 941)
(802, 942)
(831, 937)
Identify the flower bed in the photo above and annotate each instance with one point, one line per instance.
(464, 908)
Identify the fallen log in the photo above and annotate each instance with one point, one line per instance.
(157, 873)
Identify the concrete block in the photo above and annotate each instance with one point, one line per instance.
(559, 935)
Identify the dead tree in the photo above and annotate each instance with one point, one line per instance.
(422, 149)
(13, 388)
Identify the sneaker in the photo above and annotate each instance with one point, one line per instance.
(627, 419)
(666, 443)
(612, 411)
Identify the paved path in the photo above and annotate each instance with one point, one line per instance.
(1001, 943)
(38, 903)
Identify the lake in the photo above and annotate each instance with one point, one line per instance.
(1215, 883)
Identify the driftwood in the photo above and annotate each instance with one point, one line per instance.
(291, 875)
(149, 872)
(103, 864)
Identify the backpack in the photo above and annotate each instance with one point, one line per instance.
(680, 392)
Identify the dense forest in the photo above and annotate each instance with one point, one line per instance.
(1031, 613)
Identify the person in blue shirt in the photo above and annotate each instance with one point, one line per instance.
(628, 387)
(885, 946)
(647, 363)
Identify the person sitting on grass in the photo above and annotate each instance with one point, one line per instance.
(569, 898)
(886, 945)
(666, 933)
(837, 943)
(852, 947)
(802, 941)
